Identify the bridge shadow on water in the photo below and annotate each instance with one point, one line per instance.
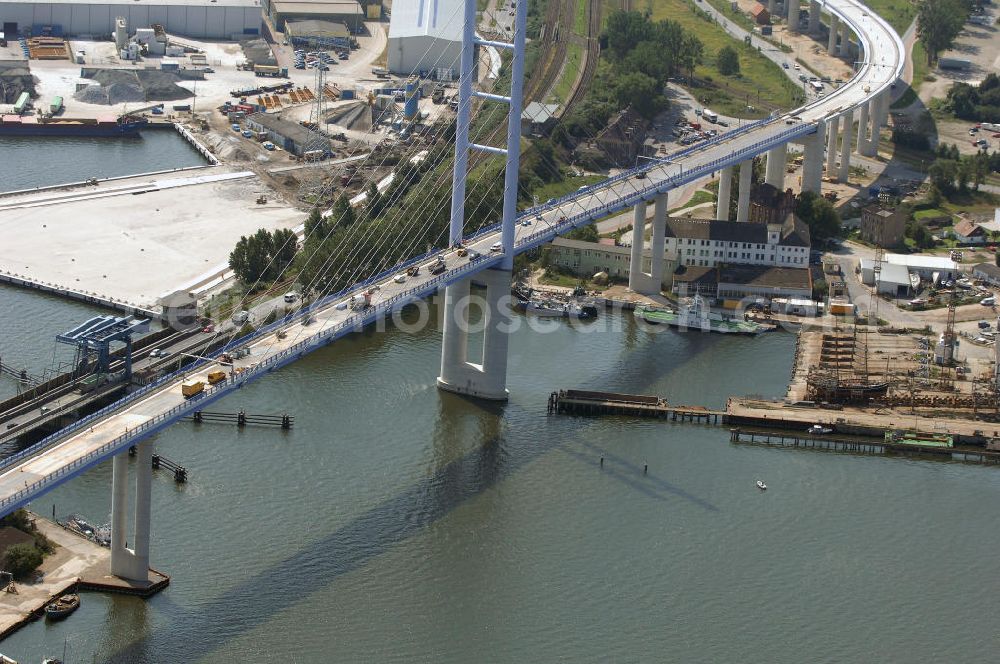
(449, 485)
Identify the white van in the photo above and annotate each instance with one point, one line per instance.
(291, 297)
(711, 116)
(241, 317)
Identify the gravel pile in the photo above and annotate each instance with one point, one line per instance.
(117, 86)
(15, 79)
(258, 52)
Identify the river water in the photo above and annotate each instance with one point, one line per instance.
(28, 162)
(395, 522)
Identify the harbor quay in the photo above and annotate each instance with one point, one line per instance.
(76, 564)
(132, 239)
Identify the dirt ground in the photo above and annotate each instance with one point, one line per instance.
(805, 47)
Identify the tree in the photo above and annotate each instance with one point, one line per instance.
(728, 61)
(373, 204)
(342, 213)
(625, 30)
(315, 224)
(586, 233)
(942, 173)
(819, 215)
(21, 559)
(938, 23)
(642, 93)
(251, 257)
(284, 244)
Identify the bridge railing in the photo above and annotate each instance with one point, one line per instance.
(561, 226)
(131, 435)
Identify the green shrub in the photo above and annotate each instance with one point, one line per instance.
(21, 559)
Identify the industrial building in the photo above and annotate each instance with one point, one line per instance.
(902, 273)
(883, 226)
(426, 38)
(288, 135)
(204, 19)
(732, 283)
(347, 12)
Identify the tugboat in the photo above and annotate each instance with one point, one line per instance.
(694, 314)
(818, 429)
(62, 607)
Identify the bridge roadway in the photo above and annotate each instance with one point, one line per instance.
(95, 438)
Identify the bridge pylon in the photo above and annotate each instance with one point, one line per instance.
(487, 379)
(131, 564)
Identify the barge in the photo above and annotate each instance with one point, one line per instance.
(106, 126)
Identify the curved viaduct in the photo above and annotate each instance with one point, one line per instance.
(133, 419)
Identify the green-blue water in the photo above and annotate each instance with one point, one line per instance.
(399, 523)
(32, 161)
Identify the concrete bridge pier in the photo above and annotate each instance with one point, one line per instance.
(725, 193)
(131, 564)
(793, 15)
(638, 238)
(831, 44)
(814, 12)
(863, 131)
(812, 162)
(774, 175)
(845, 40)
(772, 6)
(831, 148)
(639, 281)
(487, 378)
(743, 202)
(845, 153)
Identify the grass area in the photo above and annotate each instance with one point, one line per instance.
(482, 4)
(565, 186)
(580, 18)
(574, 60)
(971, 201)
(931, 213)
(736, 15)
(700, 196)
(553, 277)
(899, 13)
(919, 57)
(761, 83)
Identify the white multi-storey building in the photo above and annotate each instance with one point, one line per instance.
(707, 243)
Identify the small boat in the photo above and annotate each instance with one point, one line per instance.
(820, 430)
(761, 485)
(62, 607)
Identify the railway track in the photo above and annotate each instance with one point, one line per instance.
(558, 14)
(591, 56)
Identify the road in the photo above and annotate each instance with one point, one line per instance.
(91, 440)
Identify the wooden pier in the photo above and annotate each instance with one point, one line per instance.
(242, 419)
(860, 445)
(583, 402)
(179, 471)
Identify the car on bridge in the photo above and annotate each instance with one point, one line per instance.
(496, 247)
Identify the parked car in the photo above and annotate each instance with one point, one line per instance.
(988, 301)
